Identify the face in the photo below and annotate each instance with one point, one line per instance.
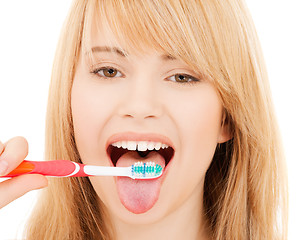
(153, 97)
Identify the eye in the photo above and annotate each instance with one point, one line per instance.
(183, 78)
(107, 72)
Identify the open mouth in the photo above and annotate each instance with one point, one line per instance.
(115, 151)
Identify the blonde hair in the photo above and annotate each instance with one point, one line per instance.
(245, 192)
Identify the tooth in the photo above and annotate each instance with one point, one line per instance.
(151, 146)
(124, 144)
(142, 146)
(117, 144)
(158, 145)
(131, 145)
(164, 146)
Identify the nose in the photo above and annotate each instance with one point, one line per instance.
(141, 100)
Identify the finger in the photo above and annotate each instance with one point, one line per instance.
(16, 187)
(3, 165)
(15, 151)
(1, 147)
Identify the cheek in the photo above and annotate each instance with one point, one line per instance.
(90, 113)
(199, 120)
(199, 125)
(202, 137)
(90, 109)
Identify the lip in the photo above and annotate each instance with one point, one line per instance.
(132, 136)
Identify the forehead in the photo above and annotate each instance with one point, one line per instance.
(103, 40)
(102, 34)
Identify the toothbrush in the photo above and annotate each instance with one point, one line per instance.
(65, 168)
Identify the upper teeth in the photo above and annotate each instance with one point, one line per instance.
(140, 146)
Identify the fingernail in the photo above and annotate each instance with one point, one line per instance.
(3, 167)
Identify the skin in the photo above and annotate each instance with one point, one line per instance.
(144, 97)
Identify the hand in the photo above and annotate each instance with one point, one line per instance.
(12, 153)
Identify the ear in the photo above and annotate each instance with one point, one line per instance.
(226, 129)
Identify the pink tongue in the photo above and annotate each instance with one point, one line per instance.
(138, 196)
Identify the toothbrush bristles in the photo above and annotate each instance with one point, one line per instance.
(146, 170)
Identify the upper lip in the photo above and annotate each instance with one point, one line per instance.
(131, 136)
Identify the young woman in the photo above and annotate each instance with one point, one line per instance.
(186, 74)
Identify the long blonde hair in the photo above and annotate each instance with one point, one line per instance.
(245, 192)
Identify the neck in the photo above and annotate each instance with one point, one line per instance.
(186, 222)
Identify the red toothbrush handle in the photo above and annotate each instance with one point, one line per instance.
(56, 168)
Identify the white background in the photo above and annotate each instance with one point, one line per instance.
(29, 33)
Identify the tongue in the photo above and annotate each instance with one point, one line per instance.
(138, 196)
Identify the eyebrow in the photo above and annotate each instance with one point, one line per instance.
(109, 49)
(168, 57)
(123, 53)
